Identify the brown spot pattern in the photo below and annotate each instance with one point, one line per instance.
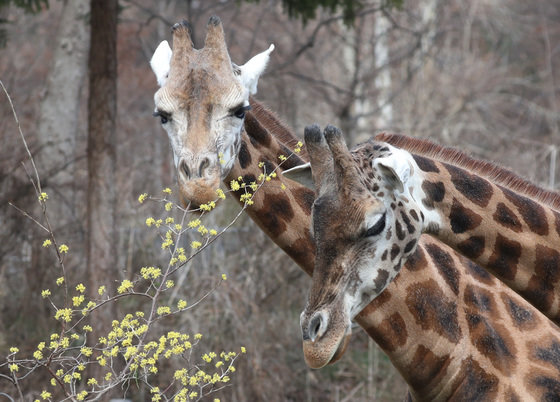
(278, 214)
(479, 299)
(521, 317)
(425, 164)
(434, 193)
(476, 189)
(478, 272)
(462, 219)
(475, 384)
(445, 265)
(429, 368)
(433, 310)
(393, 332)
(506, 217)
(417, 260)
(532, 213)
(541, 288)
(493, 341)
(473, 247)
(505, 257)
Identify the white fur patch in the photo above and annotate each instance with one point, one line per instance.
(160, 62)
(252, 70)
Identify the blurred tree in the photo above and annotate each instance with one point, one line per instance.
(30, 6)
(306, 9)
(101, 154)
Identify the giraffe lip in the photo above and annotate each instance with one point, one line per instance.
(327, 350)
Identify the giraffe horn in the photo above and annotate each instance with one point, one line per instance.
(319, 156)
(182, 46)
(344, 165)
(215, 39)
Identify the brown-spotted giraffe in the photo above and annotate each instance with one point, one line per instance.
(488, 214)
(285, 217)
(470, 339)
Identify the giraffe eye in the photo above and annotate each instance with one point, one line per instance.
(240, 111)
(164, 116)
(377, 227)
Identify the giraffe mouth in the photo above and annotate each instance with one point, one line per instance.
(327, 350)
(194, 193)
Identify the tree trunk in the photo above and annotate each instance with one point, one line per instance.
(101, 155)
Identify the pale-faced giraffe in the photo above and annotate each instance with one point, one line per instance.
(285, 216)
(469, 339)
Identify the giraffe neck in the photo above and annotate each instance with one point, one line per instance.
(512, 235)
(427, 338)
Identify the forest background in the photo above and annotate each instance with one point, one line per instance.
(479, 75)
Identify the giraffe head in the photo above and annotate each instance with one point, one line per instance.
(361, 236)
(202, 101)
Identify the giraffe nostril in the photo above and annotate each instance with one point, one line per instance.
(184, 169)
(316, 326)
(203, 166)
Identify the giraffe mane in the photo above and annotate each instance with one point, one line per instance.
(489, 170)
(275, 126)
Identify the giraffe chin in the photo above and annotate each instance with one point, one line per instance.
(323, 352)
(198, 192)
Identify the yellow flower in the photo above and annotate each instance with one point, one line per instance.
(283, 186)
(87, 328)
(181, 304)
(196, 244)
(13, 349)
(224, 277)
(108, 376)
(168, 206)
(63, 248)
(101, 290)
(45, 293)
(13, 368)
(234, 185)
(38, 355)
(150, 221)
(64, 314)
(169, 220)
(91, 382)
(86, 351)
(169, 284)
(221, 194)
(142, 197)
(198, 336)
(45, 395)
(43, 197)
(162, 310)
(243, 350)
(47, 243)
(81, 396)
(80, 288)
(167, 190)
(60, 280)
(125, 286)
(194, 223)
(77, 300)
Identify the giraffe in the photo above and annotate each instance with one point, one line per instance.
(284, 215)
(498, 220)
(464, 340)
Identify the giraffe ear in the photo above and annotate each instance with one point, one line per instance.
(160, 62)
(394, 169)
(301, 174)
(252, 70)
